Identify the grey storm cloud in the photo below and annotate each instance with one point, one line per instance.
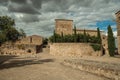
(30, 18)
(24, 6)
(37, 16)
(35, 6)
(3, 1)
(62, 5)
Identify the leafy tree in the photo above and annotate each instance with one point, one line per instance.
(96, 47)
(45, 41)
(74, 38)
(54, 37)
(22, 33)
(78, 37)
(51, 39)
(111, 42)
(7, 28)
(99, 36)
(62, 37)
(68, 38)
(71, 38)
(75, 34)
(6, 22)
(2, 38)
(85, 38)
(12, 34)
(75, 30)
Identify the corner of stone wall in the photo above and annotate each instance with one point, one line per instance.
(97, 53)
(73, 49)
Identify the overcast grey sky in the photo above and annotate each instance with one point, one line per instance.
(37, 16)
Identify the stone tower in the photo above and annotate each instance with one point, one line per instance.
(64, 26)
(118, 29)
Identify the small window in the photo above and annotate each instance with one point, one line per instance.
(103, 37)
(29, 51)
(119, 18)
(30, 39)
(104, 45)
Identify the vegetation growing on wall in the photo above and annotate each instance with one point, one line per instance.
(96, 47)
(79, 38)
(45, 41)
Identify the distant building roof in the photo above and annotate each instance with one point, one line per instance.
(34, 36)
(63, 20)
(87, 30)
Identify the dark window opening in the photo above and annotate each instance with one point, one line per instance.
(119, 18)
(103, 37)
(104, 45)
(30, 39)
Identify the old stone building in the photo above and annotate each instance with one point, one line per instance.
(33, 40)
(90, 32)
(66, 27)
(118, 29)
(63, 26)
(30, 44)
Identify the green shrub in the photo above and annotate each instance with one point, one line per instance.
(96, 47)
(86, 38)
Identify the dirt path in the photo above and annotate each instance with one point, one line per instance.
(41, 67)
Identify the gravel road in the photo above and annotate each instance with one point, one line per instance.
(41, 67)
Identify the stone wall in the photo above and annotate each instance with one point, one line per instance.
(118, 29)
(105, 44)
(33, 40)
(10, 48)
(90, 32)
(118, 43)
(73, 49)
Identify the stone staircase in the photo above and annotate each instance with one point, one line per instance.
(46, 49)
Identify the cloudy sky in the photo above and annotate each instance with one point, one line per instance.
(38, 16)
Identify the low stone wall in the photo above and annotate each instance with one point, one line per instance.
(19, 49)
(72, 49)
(109, 70)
